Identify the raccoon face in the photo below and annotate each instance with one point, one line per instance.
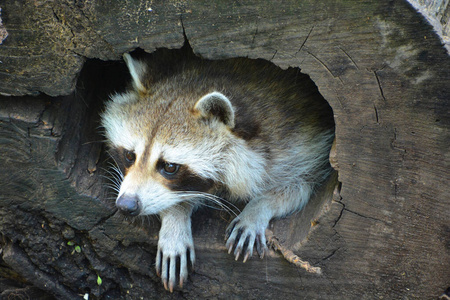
(167, 156)
(174, 146)
(153, 183)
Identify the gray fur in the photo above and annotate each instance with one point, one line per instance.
(240, 127)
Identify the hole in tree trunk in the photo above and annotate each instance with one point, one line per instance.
(82, 152)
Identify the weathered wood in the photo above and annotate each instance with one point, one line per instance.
(383, 234)
(48, 41)
(438, 15)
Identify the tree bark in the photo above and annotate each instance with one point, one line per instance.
(382, 232)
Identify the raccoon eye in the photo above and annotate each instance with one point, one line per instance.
(170, 168)
(130, 156)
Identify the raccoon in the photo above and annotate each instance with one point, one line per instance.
(189, 129)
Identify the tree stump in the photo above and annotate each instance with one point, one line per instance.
(382, 231)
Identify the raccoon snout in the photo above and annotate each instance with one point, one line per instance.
(129, 205)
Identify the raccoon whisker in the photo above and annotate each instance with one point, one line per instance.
(215, 199)
(115, 175)
(158, 217)
(229, 211)
(115, 170)
(102, 141)
(113, 183)
(115, 165)
(222, 203)
(116, 182)
(94, 142)
(110, 198)
(191, 202)
(113, 187)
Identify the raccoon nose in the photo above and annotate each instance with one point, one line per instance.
(128, 205)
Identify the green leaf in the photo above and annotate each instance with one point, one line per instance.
(70, 243)
(78, 249)
(99, 280)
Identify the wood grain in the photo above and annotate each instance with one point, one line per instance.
(384, 233)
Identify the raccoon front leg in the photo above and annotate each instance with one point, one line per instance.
(175, 247)
(247, 231)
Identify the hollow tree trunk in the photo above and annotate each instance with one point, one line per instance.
(382, 232)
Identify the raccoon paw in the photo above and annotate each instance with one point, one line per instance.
(244, 237)
(174, 261)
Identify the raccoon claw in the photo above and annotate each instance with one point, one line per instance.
(243, 239)
(174, 267)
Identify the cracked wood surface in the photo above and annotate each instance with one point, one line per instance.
(383, 233)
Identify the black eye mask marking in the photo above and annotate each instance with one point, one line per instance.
(123, 158)
(181, 178)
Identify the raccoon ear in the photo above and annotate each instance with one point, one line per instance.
(137, 70)
(216, 105)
